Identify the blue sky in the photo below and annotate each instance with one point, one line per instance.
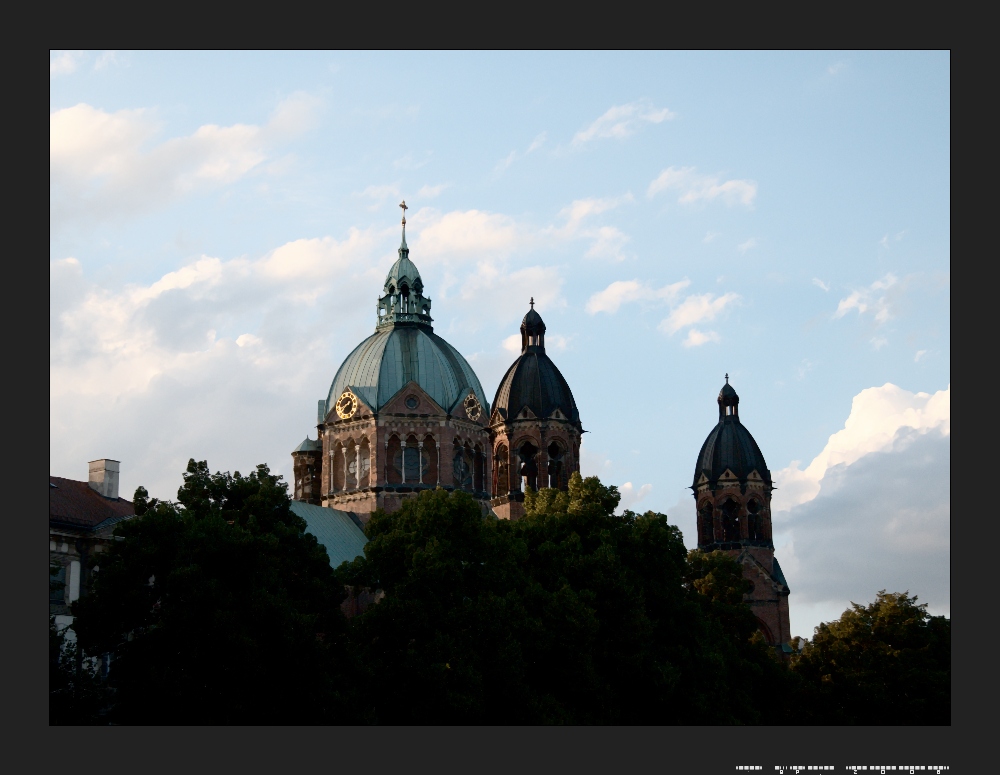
(220, 225)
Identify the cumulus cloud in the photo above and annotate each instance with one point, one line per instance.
(874, 299)
(697, 187)
(684, 313)
(606, 241)
(695, 309)
(696, 338)
(621, 121)
(64, 62)
(877, 415)
(632, 496)
(101, 164)
(627, 291)
(872, 509)
(220, 358)
(467, 235)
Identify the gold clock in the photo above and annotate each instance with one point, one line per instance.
(473, 409)
(346, 405)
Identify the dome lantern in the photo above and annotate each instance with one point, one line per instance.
(403, 301)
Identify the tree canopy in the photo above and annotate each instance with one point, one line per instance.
(888, 662)
(218, 609)
(571, 614)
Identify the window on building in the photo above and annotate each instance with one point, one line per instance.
(57, 585)
(731, 520)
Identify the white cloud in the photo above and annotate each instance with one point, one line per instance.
(870, 299)
(505, 162)
(696, 338)
(100, 165)
(512, 344)
(537, 143)
(877, 415)
(468, 235)
(626, 291)
(607, 241)
(107, 59)
(64, 62)
(919, 354)
(878, 342)
(696, 309)
(836, 68)
(632, 496)
(820, 284)
(378, 194)
(621, 121)
(429, 192)
(696, 187)
(748, 245)
(709, 236)
(872, 509)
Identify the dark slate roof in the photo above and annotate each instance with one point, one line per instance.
(337, 530)
(777, 574)
(78, 505)
(533, 381)
(533, 323)
(731, 446)
(383, 363)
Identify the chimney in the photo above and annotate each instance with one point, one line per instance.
(104, 477)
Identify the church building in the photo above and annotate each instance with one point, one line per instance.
(406, 412)
(732, 491)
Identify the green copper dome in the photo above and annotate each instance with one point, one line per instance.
(381, 365)
(404, 348)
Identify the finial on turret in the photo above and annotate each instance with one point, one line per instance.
(532, 302)
(404, 208)
(727, 377)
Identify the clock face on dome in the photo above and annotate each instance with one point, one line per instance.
(346, 405)
(473, 409)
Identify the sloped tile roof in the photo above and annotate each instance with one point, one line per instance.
(76, 504)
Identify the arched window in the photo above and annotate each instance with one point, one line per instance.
(463, 466)
(556, 467)
(431, 475)
(501, 473)
(480, 468)
(707, 522)
(731, 520)
(528, 470)
(394, 468)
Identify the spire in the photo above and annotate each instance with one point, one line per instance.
(402, 247)
(403, 301)
(532, 302)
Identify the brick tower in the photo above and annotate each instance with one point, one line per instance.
(405, 412)
(534, 427)
(732, 491)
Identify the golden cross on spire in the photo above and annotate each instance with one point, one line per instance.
(405, 208)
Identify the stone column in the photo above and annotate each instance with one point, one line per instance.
(420, 461)
(357, 467)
